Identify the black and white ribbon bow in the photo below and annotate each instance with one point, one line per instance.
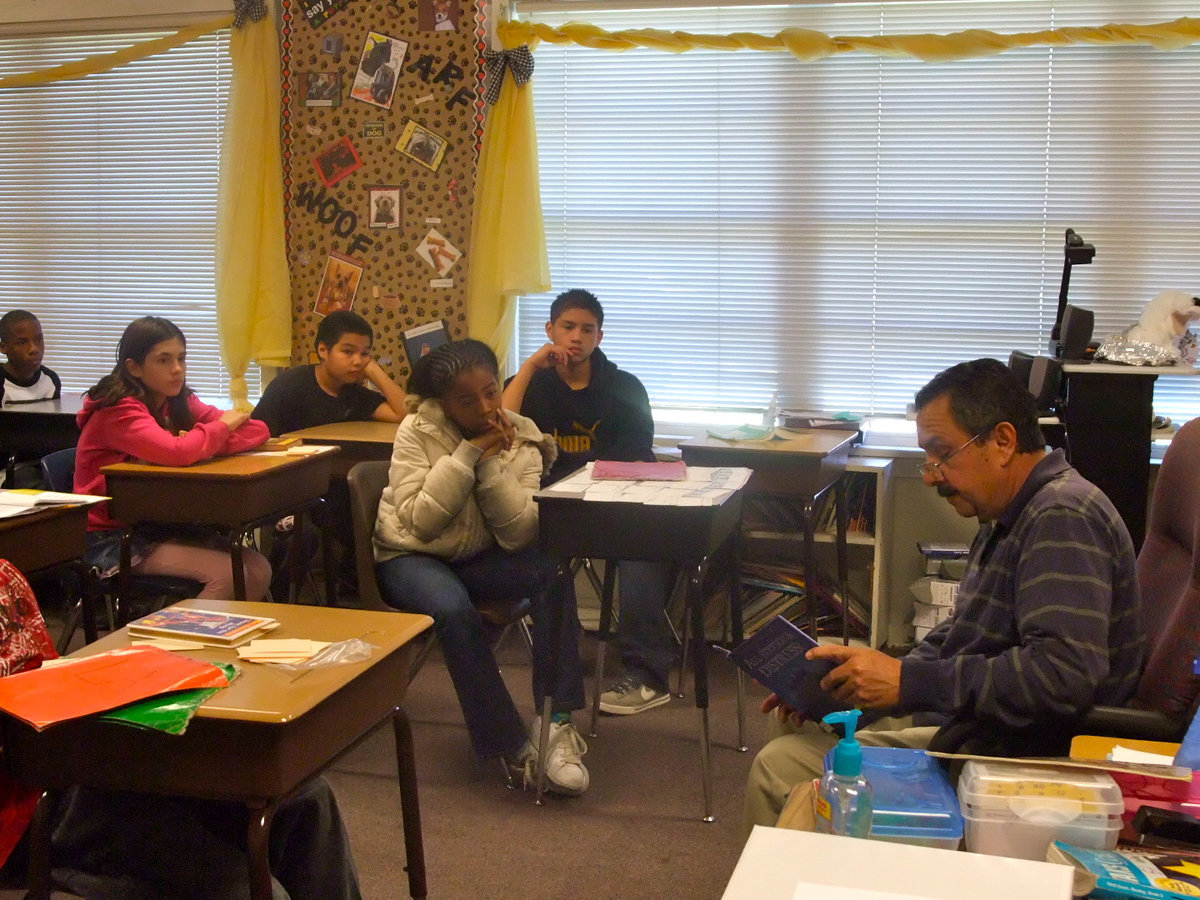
(517, 60)
(245, 11)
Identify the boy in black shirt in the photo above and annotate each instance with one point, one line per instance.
(25, 379)
(596, 411)
(331, 390)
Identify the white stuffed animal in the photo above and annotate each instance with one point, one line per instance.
(1166, 318)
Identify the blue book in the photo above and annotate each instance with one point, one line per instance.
(774, 657)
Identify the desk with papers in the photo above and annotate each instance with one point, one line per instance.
(683, 523)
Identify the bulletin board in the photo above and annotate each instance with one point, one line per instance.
(382, 124)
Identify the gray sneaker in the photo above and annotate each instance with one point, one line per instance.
(630, 695)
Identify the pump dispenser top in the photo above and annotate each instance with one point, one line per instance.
(847, 755)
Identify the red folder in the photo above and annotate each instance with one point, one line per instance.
(639, 471)
(100, 682)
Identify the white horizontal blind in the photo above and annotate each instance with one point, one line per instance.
(108, 188)
(839, 231)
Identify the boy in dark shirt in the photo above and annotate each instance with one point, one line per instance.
(596, 411)
(332, 390)
(328, 391)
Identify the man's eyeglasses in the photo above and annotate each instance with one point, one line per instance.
(934, 469)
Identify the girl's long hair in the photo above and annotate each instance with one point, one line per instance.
(140, 337)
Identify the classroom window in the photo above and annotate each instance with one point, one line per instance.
(109, 191)
(839, 231)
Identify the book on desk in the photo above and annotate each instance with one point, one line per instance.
(19, 501)
(201, 626)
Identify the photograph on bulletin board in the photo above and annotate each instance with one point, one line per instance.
(379, 69)
(438, 252)
(438, 15)
(337, 161)
(384, 207)
(339, 284)
(322, 89)
(419, 143)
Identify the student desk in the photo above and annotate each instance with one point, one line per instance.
(804, 466)
(50, 537)
(358, 441)
(1107, 414)
(232, 492)
(254, 742)
(570, 527)
(31, 430)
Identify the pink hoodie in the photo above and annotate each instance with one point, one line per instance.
(127, 431)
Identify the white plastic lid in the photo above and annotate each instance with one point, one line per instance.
(1036, 793)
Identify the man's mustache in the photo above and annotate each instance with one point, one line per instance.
(945, 490)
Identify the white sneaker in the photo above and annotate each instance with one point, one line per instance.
(565, 772)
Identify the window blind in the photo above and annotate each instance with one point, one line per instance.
(108, 186)
(839, 231)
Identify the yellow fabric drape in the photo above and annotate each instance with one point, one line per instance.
(508, 238)
(253, 286)
(103, 62)
(813, 45)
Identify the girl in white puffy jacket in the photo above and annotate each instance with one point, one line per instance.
(457, 530)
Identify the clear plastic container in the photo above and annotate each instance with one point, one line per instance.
(1017, 809)
(914, 802)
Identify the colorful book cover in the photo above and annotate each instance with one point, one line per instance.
(199, 623)
(1150, 874)
(639, 471)
(774, 657)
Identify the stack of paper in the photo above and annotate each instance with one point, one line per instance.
(19, 501)
(702, 486)
(288, 651)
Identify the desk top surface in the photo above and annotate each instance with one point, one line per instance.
(64, 406)
(336, 432)
(250, 464)
(271, 694)
(1101, 368)
(818, 442)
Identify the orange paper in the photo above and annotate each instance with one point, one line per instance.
(101, 682)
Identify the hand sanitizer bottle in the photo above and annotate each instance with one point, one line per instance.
(844, 799)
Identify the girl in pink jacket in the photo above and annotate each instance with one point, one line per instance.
(144, 410)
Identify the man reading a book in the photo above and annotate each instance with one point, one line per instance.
(1047, 623)
(596, 411)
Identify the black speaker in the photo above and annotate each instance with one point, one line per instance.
(1045, 382)
(1076, 331)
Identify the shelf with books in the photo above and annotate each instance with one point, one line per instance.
(772, 538)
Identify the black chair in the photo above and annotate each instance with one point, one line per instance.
(145, 591)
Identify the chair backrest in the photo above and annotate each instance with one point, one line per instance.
(366, 481)
(58, 470)
(1169, 575)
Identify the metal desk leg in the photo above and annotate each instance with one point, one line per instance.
(39, 847)
(328, 561)
(410, 808)
(604, 636)
(808, 517)
(239, 573)
(695, 601)
(555, 630)
(843, 562)
(736, 627)
(258, 835)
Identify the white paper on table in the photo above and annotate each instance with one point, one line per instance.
(806, 890)
(1128, 754)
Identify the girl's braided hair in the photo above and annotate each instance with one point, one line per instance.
(434, 372)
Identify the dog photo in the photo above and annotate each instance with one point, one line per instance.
(383, 207)
(339, 284)
(421, 144)
(438, 15)
(322, 89)
(378, 69)
(337, 161)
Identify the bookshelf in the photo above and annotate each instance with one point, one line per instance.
(773, 576)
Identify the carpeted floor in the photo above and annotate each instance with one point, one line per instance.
(636, 833)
